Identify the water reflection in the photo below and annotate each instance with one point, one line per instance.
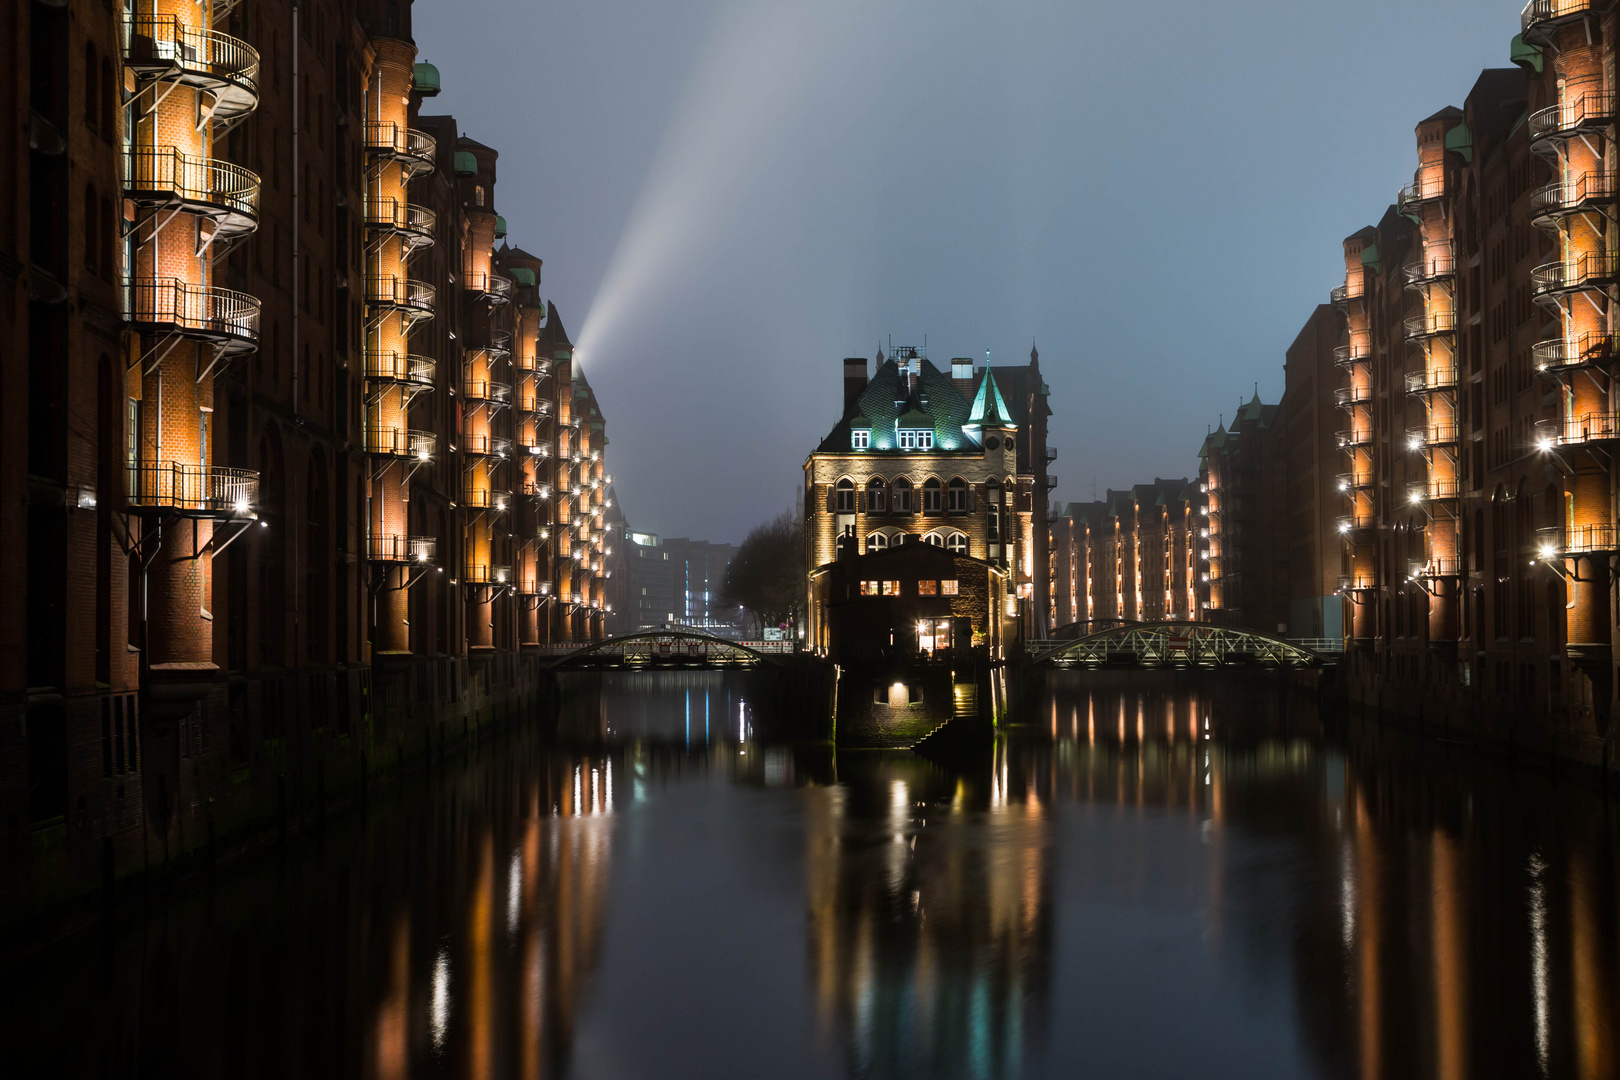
(1141, 881)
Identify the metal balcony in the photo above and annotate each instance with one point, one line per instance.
(401, 442)
(1343, 294)
(529, 585)
(393, 367)
(199, 491)
(495, 288)
(1410, 199)
(484, 574)
(162, 48)
(1587, 114)
(534, 403)
(485, 498)
(399, 548)
(414, 223)
(1350, 396)
(1578, 540)
(228, 320)
(1540, 18)
(402, 294)
(1358, 583)
(1436, 567)
(1593, 270)
(1353, 438)
(1431, 268)
(1051, 481)
(1436, 434)
(1561, 198)
(226, 194)
(1431, 381)
(414, 150)
(1587, 428)
(1356, 523)
(486, 390)
(495, 446)
(1347, 482)
(1419, 327)
(1432, 490)
(1347, 355)
(1562, 354)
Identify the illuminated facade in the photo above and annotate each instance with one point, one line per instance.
(1132, 555)
(304, 458)
(951, 460)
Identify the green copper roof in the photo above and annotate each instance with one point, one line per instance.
(988, 406)
(500, 226)
(1369, 256)
(520, 274)
(1526, 56)
(859, 421)
(427, 80)
(1461, 140)
(466, 163)
(914, 418)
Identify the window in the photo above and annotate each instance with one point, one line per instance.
(957, 542)
(934, 539)
(956, 500)
(994, 524)
(890, 588)
(927, 588)
(478, 194)
(948, 588)
(869, 588)
(845, 497)
(931, 491)
(860, 438)
(876, 503)
(902, 496)
(916, 439)
(877, 541)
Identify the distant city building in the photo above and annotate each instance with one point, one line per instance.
(678, 582)
(958, 461)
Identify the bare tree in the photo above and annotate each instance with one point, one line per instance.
(766, 576)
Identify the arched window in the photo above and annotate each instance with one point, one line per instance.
(902, 496)
(478, 194)
(876, 496)
(109, 239)
(956, 497)
(957, 542)
(931, 495)
(844, 501)
(877, 541)
(92, 93)
(934, 539)
(109, 98)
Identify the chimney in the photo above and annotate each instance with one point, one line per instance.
(854, 381)
(962, 373)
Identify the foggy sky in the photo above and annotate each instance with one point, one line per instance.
(730, 196)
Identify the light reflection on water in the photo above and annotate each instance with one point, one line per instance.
(1138, 883)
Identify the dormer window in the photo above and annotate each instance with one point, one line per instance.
(860, 438)
(916, 439)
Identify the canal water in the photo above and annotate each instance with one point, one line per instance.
(1144, 881)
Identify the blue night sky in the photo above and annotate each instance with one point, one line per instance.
(732, 195)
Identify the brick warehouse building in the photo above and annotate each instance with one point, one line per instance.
(957, 461)
(297, 455)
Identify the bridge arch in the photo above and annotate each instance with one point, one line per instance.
(662, 649)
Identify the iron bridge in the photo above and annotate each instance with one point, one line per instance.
(1176, 645)
(665, 650)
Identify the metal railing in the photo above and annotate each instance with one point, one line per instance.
(486, 390)
(484, 574)
(1345, 355)
(1430, 325)
(482, 497)
(1432, 380)
(197, 489)
(207, 182)
(1566, 353)
(1582, 539)
(415, 149)
(1354, 522)
(1347, 481)
(1591, 268)
(1352, 437)
(397, 547)
(1431, 267)
(1591, 110)
(1572, 196)
(400, 367)
(1358, 582)
(1537, 12)
(1433, 434)
(156, 44)
(1587, 428)
(400, 441)
(1436, 566)
(400, 292)
(533, 586)
(1419, 191)
(1426, 490)
(486, 445)
(1347, 396)
(401, 216)
(219, 314)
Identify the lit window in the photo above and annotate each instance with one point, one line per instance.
(869, 588)
(845, 500)
(927, 588)
(877, 541)
(948, 588)
(916, 439)
(891, 588)
(860, 438)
